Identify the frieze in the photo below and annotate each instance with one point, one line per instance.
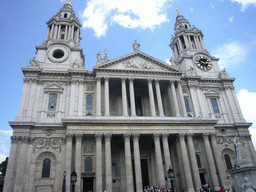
(88, 147)
(48, 143)
(139, 64)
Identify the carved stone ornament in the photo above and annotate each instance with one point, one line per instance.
(89, 86)
(88, 147)
(108, 137)
(48, 132)
(138, 63)
(165, 136)
(33, 62)
(224, 139)
(48, 143)
(98, 137)
(50, 114)
(156, 136)
(76, 64)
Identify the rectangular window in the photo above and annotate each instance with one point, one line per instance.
(215, 105)
(187, 104)
(52, 102)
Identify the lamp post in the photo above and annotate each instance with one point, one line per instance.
(171, 175)
(64, 182)
(73, 180)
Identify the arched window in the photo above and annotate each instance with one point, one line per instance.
(88, 164)
(89, 102)
(65, 15)
(198, 161)
(228, 161)
(187, 104)
(46, 168)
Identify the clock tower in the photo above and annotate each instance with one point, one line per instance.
(190, 54)
(61, 49)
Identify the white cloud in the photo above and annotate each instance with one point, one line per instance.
(2, 157)
(231, 19)
(231, 54)
(168, 62)
(247, 101)
(63, 1)
(191, 10)
(99, 14)
(245, 3)
(4, 143)
(212, 6)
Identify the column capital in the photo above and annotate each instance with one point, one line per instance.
(131, 79)
(69, 137)
(213, 135)
(79, 137)
(98, 136)
(136, 136)
(190, 135)
(98, 78)
(157, 80)
(127, 136)
(206, 136)
(182, 136)
(156, 136)
(123, 78)
(150, 80)
(165, 136)
(108, 137)
(106, 78)
(172, 81)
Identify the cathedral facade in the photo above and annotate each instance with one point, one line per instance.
(121, 125)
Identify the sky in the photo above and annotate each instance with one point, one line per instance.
(229, 28)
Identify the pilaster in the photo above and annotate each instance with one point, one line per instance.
(128, 163)
(98, 138)
(137, 162)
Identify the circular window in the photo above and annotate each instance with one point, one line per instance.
(58, 54)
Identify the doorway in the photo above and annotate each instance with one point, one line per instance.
(88, 184)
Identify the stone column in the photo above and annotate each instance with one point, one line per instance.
(182, 99)
(72, 97)
(180, 45)
(217, 157)
(136, 148)
(72, 31)
(167, 158)
(108, 162)
(151, 98)
(21, 164)
(59, 31)
(132, 97)
(107, 96)
(23, 98)
(194, 165)
(66, 32)
(211, 163)
(98, 96)
(78, 161)
(186, 164)
(186, 42)
(159, 99)
(52, 29)
(124, 97)
(98, 138)
(80, 97)
(128, 163)
(174, 99)
(10, 167)
(68, 161)
(159, 161)
(55, 31)
(69, 32)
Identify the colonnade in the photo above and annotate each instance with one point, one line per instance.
(188, 159)
(70, 32)
(175, 97)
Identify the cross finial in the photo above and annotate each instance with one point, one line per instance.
(106, 54)
(178, 11)
(68, 2)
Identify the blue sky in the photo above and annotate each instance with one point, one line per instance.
(229, 28)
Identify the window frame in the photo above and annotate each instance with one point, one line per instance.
(49, 171)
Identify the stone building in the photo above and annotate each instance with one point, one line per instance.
(121, 125)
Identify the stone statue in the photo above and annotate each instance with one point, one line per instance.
(230, 187)
(247, 186)
(99, 57)
(33, 62)
(136, 46)
(239, 149)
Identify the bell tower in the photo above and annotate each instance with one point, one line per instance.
(189, 51)
(61, 49)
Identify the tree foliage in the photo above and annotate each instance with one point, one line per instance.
(3, 167)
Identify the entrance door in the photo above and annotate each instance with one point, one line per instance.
(144, 172)
(88, 184)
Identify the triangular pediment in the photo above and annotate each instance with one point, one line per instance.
(137, 61)
(53, 88)
(212, 93)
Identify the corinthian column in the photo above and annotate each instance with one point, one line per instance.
(151, 98)
(132, 98)
(128, 163)
(193, 161)
(211, 163)
(98, 138)
(124, 97)
(186, 165)
(68, 160)
(166, 152)
(137, 162)
(106, 96)
(159, 99)
(78, 164)
(108, 162)
(182, 99)
(159, 161)
(219, 164)
(98, 97)
(174, 99)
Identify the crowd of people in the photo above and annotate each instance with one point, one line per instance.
(158, 189)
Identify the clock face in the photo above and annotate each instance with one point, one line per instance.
(203, 63)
